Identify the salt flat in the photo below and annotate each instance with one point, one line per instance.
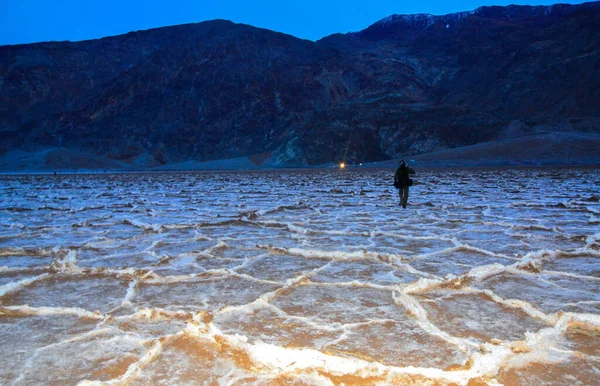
(301, 277)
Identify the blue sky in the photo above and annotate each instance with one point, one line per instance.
(27, 21)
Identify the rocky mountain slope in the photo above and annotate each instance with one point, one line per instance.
(407, 85)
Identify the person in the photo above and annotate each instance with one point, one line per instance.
(402, 182)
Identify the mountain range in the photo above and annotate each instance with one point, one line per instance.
(221, 95)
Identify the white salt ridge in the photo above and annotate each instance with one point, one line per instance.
(286, 360)
(337, 255)
(459, 247)
(542, 345)
(41, 311)
(14, 286)
(130, 294)
(526, 307)
(289, 360)
(415, 309)
(153, 278)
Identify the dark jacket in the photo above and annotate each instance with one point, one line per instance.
(401, 177)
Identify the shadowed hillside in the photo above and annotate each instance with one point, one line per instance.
(407, 85)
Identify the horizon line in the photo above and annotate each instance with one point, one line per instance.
(285, 33)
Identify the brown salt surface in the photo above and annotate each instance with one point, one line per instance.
(98, 249)
(575, 372)
(476, 315)
(364, 271)
(25, 261)
(504, 243)
(98, 357)
(227, 251)
(191, 361)
(410, 247)
(351, 379)
(149, 328)
(343, 243)
(347, 304)
(385, 244)
(584, 340)
(268, 326)
(584, 292)
(208, 262)
(180, 265)
(548, 293)
(260, 236)
(92, 293)
(398, 344)
(206, 294)
(122, 233)
(580, 265)
(182, 246)
(280, 267)
(188, 361)
(21, 336)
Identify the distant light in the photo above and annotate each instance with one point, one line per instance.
(342, 165)
(360, 164)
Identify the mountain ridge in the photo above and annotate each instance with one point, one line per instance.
(219, 90)
(509, 12)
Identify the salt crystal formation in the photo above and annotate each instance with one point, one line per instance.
(301, 277)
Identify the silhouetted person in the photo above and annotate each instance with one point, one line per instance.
(402, 182)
